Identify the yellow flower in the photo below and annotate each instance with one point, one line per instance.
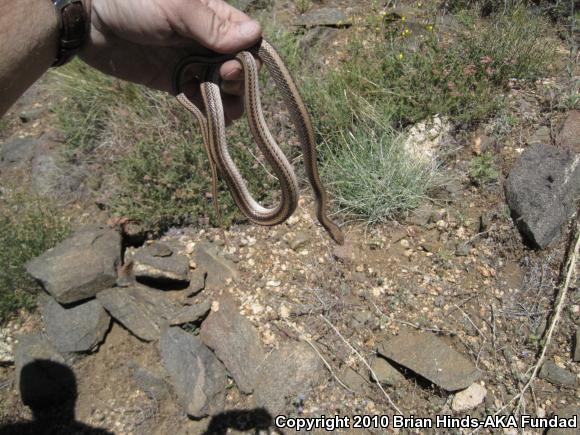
(401, 56)
(403, 18)
(430, 27)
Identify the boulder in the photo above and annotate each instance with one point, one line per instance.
(80, 266)
(75, 329)
(541, 191)
(235, 341)
(197, 376)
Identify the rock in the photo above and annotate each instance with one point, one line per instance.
(557, 375)
(31, 113)
(317, 36)
(541, 191)
(6, 343)
(385, 372)
(462, 249)
(300, 240)
(421, 216)
(76, 329)
(569, 135)
(290, 370)
(569, 412)
(17, 152)
(330, 17)
(469, 399)
(425, 138)
(42, 377)
(541, 136)
(191, 313)
(353, 379)
(197, 376)
(429, 356)
(235, 341)
(142, 310)
(217, 270)
(150, 383)
(55, 177)
(80, 266)
(158, 262)
(576, 354)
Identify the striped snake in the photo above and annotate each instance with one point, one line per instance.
(212, 126)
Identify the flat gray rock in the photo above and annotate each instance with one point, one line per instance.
(191, 313)
(288, 371)
(77, 329)
(386, 373)
(158, 262)
(235, 341)
(211, 268)
(17, 152)
(80, 266)
(41, 373)
(430, 357)
(197, 376)
(541, 191)
(558, 375)
(331, 17)
(143, 311)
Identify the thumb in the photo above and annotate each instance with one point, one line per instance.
(216, 25)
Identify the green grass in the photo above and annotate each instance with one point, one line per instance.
(482, 169)
(389, 77)
(28, 227)
(374, 178)
(153, 148)
(408, 82)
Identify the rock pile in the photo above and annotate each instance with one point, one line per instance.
(155, 292)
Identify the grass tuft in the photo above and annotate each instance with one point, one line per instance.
(29, 226)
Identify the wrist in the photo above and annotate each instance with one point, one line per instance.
(73, 27)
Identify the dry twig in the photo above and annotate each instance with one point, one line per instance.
(356, 352)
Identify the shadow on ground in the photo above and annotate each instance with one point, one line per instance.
(50, 390)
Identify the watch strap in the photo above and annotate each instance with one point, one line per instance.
(73, 27)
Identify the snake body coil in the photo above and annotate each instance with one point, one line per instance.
(212, 125)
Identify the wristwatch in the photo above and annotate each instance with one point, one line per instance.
(74, 26)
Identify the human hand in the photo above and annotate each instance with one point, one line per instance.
(142, 41)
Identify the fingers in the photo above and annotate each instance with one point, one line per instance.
(214, 24)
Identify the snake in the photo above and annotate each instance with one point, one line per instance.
(212, 125)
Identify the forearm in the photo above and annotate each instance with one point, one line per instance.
(28, 45)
